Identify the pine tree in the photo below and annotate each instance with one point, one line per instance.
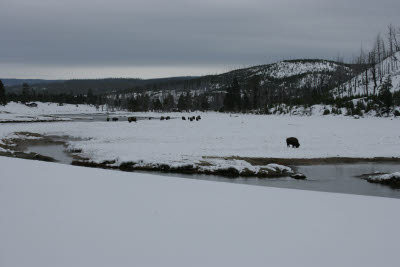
(386, 95)
(90, 97)
(182, 103)
(236, 94)
(246, 103)
(25, 92)
(204, 102)
(3, 100)
(189, 102)
(232, 100)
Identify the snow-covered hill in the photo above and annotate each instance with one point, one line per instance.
(363, 84)
(290, 73)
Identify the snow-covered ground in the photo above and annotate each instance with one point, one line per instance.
(74, 216)
(178, 142)
(43, 112)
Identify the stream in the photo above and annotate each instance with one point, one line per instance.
(337, 178)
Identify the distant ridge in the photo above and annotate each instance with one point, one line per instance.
(17, 82)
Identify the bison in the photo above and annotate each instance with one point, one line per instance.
(198, 118)
(292, 141)
(183, 118)
(168, 117)
(108, 119)
(130, 119)
(114, 119)
(162, 118)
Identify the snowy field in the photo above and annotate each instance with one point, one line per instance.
(43, 112)
(177, 142)
(74, 216)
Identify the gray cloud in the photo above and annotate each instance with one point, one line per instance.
(180, 32)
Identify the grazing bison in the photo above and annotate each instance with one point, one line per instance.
(130, 119)
(183, 118)
(191, 119)
(162, 118)
(292, 141)
(198, 118)
(168, 117)
(114, 119)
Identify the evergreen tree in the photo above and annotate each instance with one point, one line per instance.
(236, 94)
(189, 102)
(25, 92)
(3, 100)
(157, 105)
(386, 95)
(168, 103)
(90, 98)
(182, 103)
(205, 105)
(246, 104)
(232, 100)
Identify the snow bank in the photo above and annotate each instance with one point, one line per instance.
(72, 216)
(389, 176)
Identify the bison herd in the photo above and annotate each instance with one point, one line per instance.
(290, 141)
(192, 118)
(134, 119)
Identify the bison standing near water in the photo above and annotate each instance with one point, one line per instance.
(292, 141)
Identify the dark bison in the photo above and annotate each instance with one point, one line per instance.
(198, 118)
(183, 118)
(292, 141)
(168, 117)
(162, 118)
(108, 119)
(130, 119)
(191, 118)
(114, 119)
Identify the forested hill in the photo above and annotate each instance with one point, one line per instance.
(81, 86)
(19, 82)
(284, 76)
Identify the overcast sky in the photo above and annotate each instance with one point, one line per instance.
(154, 38)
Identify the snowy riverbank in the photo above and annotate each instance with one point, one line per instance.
(73, 216)
(219, 140)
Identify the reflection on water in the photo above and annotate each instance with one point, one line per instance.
(337, 178)
(55, 151)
